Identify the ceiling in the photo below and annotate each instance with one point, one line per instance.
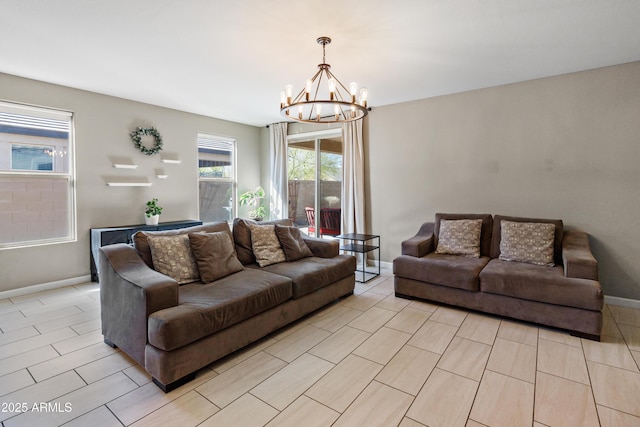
(230, 59)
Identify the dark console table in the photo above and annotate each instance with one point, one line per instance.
(111, 235)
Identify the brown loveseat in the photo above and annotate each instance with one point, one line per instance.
(173, 330)
(566, 295)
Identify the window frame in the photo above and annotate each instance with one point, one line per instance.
(201, 136)
(42, 113)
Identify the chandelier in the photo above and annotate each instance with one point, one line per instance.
(338, 105)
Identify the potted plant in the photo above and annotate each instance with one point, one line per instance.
(152, 213)
(254, 198)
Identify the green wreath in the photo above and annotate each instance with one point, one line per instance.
(137, 134)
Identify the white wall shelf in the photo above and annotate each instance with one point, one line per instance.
(124, 166)
(174, 161)
(129, 184)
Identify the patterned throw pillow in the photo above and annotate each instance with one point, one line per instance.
(172, 256)
(460, 237)
(529, 242)
(215, 255)
(265, 244)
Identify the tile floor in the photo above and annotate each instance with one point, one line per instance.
(368, 360)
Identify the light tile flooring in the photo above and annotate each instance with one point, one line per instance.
(368, 360)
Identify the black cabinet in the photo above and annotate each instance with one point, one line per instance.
(111, 235)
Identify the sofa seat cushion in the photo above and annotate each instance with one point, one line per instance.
(454, 271)
(312, 273)
(207, 308)
(540, 283)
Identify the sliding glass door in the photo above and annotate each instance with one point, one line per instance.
(315, 182)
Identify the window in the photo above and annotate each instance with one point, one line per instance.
(217, 174)
(37, 197)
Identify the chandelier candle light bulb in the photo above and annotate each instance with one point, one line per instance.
(346, 106)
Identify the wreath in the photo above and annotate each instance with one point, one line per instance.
(137, 135)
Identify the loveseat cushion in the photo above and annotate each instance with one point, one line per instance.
(453, 271)
(459, 237)
(207, 308)
(542, 284)
(485, 233)
(530, 242)
(496, 235)
(312, 273)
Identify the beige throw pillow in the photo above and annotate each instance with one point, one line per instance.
(292, 243)
(172, 256)
(527, 242)
(215, 255)
(459, 237)
(265, 244)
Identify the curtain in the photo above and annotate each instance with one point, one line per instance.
(278, 203)
(353, 178)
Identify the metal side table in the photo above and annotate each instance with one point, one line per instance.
(362, 244)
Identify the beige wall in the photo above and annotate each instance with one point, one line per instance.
(561, 147)
(102, 126)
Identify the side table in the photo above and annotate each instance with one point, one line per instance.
(362, 244)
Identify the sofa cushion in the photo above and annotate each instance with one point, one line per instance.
(485, 234)
(557, 238)
(172, 256)
(542, 284)
(142, 245)
(215, 255)
(310, 274)
(292, 243)
(242, 237)
(206, 309)
(530, 242)
(440, 269)
(265, 244)
(460, 237)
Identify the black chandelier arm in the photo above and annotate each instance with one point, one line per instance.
(306, 107)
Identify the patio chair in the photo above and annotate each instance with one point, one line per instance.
(329, 221)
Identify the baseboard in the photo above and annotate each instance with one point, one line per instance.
(622, 302)
(44, 287)
(383, 264)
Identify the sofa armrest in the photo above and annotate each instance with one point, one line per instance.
(577, 258)
(129, 292)
(420, 244)
(323, 248)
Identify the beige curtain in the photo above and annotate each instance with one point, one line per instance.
(353, 219)
(278, 203)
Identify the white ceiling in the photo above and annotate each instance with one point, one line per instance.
(230, 59)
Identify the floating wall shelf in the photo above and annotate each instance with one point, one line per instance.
(124, 166)
(170, 158)
(176, 161)
(127, 181)
(129, 184)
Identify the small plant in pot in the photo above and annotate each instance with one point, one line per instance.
(254, 198)
(152, 213)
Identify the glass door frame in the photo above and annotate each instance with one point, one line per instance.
(316, 136)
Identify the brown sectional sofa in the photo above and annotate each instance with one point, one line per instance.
(173, 330)
(566, 296)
